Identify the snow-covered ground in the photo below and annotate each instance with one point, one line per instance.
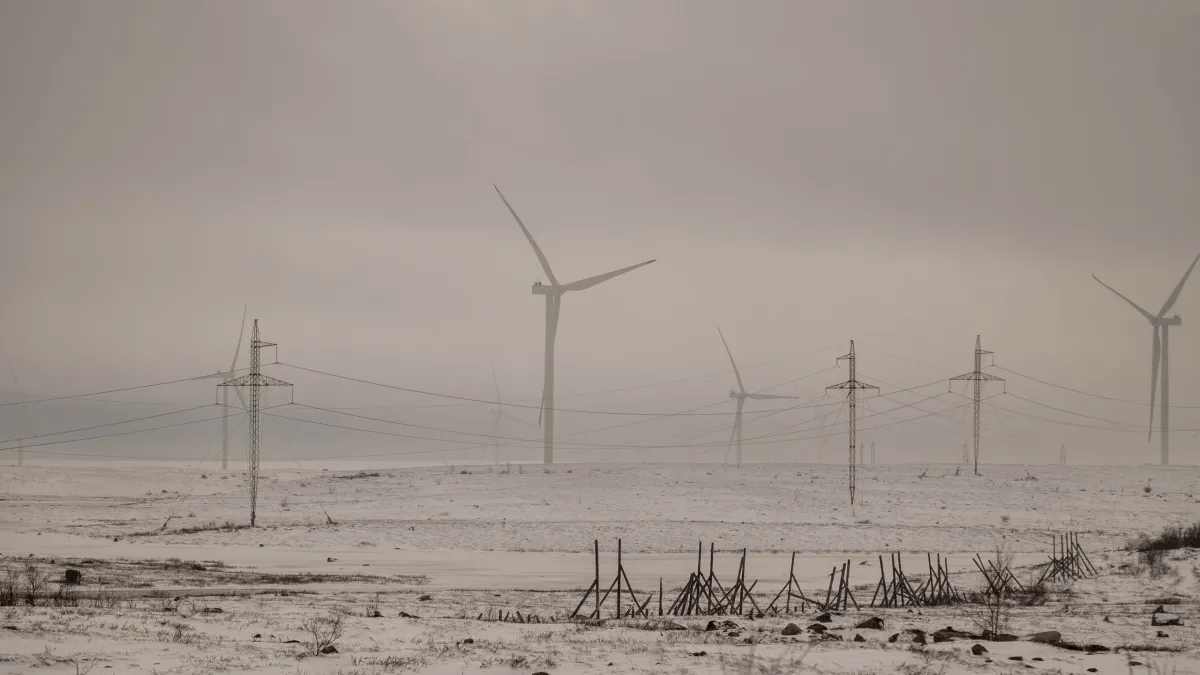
(481, 538)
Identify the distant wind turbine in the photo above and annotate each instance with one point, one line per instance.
(20, 441)
(225, 393)
(498, 415)
(740, 395)
(1159, 353)
(554, 292)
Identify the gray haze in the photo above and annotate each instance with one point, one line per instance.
(904, 174)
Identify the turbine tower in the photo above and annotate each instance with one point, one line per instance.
(225, 393)
(554, 292)
(741, 395)
(1159, 353)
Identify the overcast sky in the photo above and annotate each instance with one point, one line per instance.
(904, 174)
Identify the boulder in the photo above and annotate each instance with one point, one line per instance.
(1047, 637)
(979, 650)
(817, 628)
(425, 598)
(873, 623)
(469, 641)
(1096, 649)
(1163, 635)
(1016, 658)
(824, 618)
(712, 625)
(942, 636)
(791, 629)
(1164, 619)
(894, 638)
(329, 649)
(859, 638)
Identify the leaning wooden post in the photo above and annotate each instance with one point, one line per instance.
(660, 592)
(597, 544)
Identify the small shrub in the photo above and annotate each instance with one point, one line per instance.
(373, 608)
(1005, 518)
(10, 587)
(35, 580)
(323, 631)
(1146, 489)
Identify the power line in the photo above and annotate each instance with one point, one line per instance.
(99, 393)
(531, 407)
(121, 433)
(1069, 412)
(97, 400)
(1083, 426)
(1085, 393)
(101, 426)
(614, 391)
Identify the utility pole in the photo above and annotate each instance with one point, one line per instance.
(255, 380)
(852, 386)
(978, 377)
(872, 453)
(1062, 456)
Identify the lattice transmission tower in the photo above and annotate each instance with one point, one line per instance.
(255, 380)
(852, 387)
(978, 377)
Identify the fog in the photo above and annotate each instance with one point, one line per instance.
(907, 176)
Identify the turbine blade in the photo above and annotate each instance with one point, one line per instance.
(1175, 293)
(769, 397)
(1148, 315)
(736, 374)
(1155, 360)
(536, 249)
(238, 349)
(240, 397)
(541, 406)
(495, 382)
(601, 278)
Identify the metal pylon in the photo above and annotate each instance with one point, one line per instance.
(255, 380)
(852, 386)
(978, 377)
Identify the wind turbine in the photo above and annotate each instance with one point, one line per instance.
(1158, 360)
(554, 292)
(498, 414)
(225, 393)
(740, 395)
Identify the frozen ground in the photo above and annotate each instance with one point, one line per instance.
(482, 538)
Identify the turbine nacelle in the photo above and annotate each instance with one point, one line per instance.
(1172, 321)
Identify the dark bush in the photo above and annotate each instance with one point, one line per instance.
(1171, 538)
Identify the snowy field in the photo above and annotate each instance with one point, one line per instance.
(162, 550)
